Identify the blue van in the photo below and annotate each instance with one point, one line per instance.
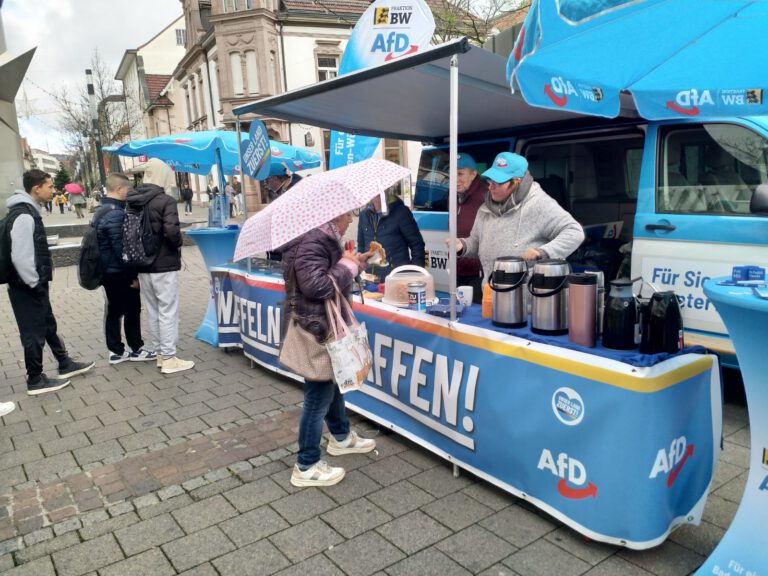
(674, 202)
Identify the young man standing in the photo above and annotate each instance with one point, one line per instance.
(121, 284)
(160, 280)
(32, 270)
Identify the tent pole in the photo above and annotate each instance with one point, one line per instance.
(240, 169)
(452, 202)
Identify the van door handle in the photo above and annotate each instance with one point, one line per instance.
(667, 227)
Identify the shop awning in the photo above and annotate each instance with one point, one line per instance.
(408, 98)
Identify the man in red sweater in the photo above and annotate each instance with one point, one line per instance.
(471, 192)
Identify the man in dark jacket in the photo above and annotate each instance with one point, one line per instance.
(470, 195)
(160, 280)
(396, 231)
(121, 284)
(32, 270)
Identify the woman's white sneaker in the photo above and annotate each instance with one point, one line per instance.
(320, 474)
(352, 444)
(172, 365)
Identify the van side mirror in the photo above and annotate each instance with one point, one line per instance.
(759, 202)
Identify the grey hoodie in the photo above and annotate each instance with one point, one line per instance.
(22, 241)
(527, 219)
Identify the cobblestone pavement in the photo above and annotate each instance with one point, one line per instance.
(130, 472)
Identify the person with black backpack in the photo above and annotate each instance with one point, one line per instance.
(120, 281)
(151, 233)
(26, 266)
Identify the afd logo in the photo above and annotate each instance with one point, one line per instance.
(671, 461)
(392, 16)
(394, 44)
(560, 89)
(572, 474)
(688, 102)
(568, 406)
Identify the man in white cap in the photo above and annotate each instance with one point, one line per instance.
(518, 218)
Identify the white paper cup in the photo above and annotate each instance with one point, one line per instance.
(465, 294)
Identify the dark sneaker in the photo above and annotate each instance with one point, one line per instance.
(119, 358)
(72, 368)
(42, 384)
(143, 355)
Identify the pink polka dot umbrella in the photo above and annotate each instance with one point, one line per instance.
(314, 201)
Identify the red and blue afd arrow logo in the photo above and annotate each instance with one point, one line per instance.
(576, 493)
(671, 461)
(392, 56)
(674, 473)
(559, 100)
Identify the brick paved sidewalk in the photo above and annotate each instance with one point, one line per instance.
(130, 472)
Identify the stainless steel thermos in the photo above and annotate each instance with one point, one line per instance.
(508, 302)
(549, 291)
(582, 308)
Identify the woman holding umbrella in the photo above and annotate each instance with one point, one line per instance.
(311, 264)
(76, 197)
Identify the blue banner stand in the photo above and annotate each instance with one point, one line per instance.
(742, 551)
(217, 245)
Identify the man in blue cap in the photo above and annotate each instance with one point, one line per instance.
(470, 195)
(518, 218)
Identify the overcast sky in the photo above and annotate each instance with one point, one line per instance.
(66, 32)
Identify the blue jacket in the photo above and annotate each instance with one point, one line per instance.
(397, 232)
(109, 231)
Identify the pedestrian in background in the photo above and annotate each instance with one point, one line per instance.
(78, 203)
(61, 201)
(186, 196)
(121, 283)
(32, 270)
(160, 280)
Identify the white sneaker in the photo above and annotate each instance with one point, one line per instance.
(172, 365)
(352, 444)
(321, 474)
(6, 408)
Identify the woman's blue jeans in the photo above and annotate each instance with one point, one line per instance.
(322, 402)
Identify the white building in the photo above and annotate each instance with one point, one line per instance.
(45, 161)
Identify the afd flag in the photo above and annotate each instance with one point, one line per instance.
(387, 30)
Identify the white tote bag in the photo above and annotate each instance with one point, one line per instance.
(348, 346)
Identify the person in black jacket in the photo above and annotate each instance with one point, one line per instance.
(396, 231)
(32, 269)
(160, 280)
(121, 284)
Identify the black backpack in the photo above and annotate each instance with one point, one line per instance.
(140, 244)
(90, 268)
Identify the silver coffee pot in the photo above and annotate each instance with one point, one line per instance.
(508, 301)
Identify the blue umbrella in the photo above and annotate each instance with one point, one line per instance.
(678, 58)
(195, 152)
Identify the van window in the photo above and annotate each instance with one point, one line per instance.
(595, 178)
(433, 178)
(709, 169)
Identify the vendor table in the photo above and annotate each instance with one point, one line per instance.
(742, 551)
(621, 447)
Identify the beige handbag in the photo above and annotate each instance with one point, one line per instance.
(300, 352)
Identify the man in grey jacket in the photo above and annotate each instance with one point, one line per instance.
(32, 270)
(518, 218)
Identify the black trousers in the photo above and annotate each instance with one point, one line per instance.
(123, 307)
(37, 325)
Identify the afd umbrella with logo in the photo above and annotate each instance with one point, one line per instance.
(195, 152)
(315, 201)
(677, 58)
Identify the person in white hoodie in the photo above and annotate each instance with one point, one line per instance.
(30, 272)
(518, 218)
